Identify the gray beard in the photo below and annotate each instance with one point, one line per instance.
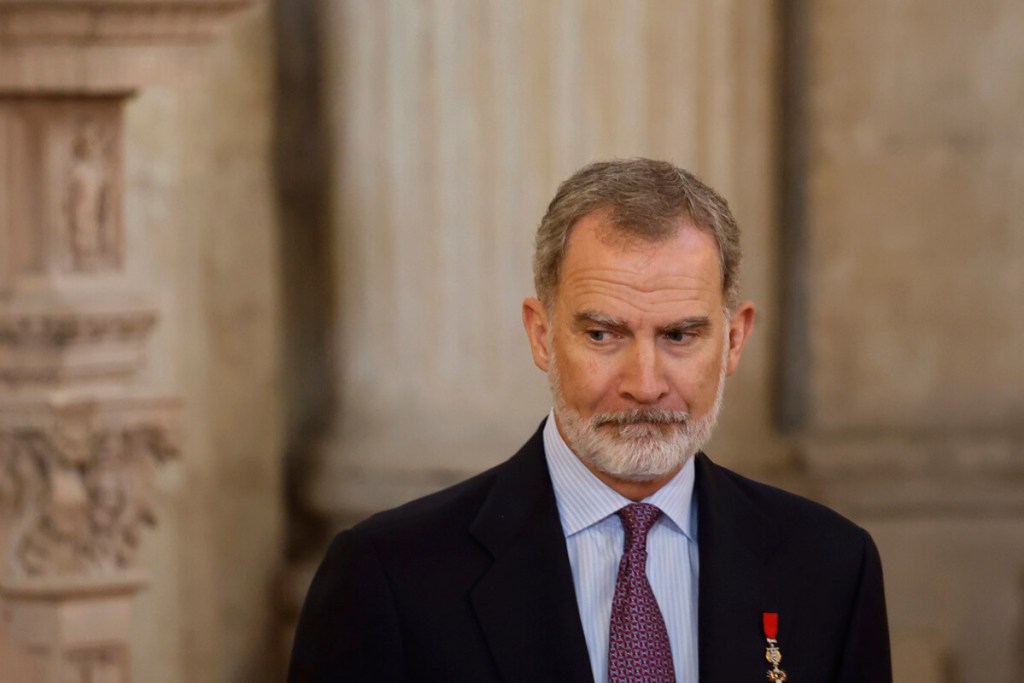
(635, 445)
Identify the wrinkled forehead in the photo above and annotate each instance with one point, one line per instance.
(621, 237)
(602, 263)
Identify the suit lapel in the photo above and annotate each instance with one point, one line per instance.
(735, 586)
(526, 601)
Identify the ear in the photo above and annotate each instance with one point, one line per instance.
(741, 323)
(535, 320)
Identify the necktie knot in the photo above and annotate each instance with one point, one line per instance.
(637, 519)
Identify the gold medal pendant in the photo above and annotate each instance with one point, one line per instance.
(774, 657)
(772, 654)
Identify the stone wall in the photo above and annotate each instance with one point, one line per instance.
(139, 352)
(202, 211)
(915, 263)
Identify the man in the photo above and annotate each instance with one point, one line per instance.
(609, 548)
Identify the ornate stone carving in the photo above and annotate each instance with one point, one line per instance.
(46, 347)
(76, 482)
(63, 328)
(78, 446)
(92, 231)
(105, 45)
(61, 164)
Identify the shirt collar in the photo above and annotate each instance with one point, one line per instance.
(584, 500)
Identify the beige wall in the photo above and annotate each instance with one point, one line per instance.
(915, 205)
(916, 249)
(202, 228)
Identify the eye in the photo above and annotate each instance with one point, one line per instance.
(598, 335)
(679, 336)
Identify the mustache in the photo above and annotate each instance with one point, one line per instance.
(642, 416)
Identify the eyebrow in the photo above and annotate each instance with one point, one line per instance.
(695, 323)
(584, 318)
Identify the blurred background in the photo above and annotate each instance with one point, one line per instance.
(336, 216)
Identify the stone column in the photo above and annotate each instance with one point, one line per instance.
(80, 433)
(909, 370)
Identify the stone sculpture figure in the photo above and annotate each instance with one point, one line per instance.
(88, 188)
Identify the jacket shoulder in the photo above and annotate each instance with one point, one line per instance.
(442, 521)
(793, 518)
(458, 502)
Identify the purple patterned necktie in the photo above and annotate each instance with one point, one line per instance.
(638, 647)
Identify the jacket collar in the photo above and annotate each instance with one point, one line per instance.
(526, 602)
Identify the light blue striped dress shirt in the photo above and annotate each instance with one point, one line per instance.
(595, 540)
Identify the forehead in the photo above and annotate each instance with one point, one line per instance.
(604, 265)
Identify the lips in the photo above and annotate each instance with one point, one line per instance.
(642, 418)
(645, 431)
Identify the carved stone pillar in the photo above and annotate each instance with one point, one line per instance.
(80, 433)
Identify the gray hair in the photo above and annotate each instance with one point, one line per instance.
(644, 199)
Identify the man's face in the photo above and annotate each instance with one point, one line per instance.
(637, 348)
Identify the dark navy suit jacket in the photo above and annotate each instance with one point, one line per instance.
(473, 584)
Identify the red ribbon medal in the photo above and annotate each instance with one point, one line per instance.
(772, 653)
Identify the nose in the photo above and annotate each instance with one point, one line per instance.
(642, 378)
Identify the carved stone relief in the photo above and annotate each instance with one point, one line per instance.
(91, 236)
(76, 486)
(78, 444)
(51, 345)
(62, 172)
(65, 328)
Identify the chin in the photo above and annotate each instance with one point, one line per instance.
(638, 460)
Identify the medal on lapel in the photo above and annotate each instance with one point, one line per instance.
(772, 653)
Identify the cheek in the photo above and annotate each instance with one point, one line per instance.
(704, 386)
(586, 381)
(696, 381)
